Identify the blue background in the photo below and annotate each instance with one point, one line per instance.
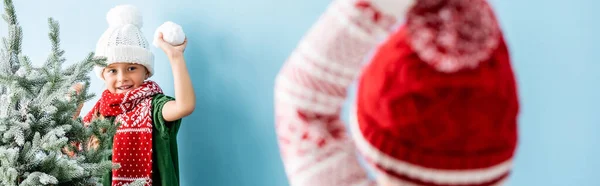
(236, 48)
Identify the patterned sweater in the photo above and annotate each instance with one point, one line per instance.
(311, 88)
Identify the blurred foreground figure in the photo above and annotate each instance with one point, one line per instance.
(437, 104)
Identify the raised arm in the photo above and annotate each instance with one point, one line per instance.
(311, 88)
(185, 102)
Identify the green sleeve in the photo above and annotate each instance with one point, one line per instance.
(166, 163)
(166, 129)
(107, 179)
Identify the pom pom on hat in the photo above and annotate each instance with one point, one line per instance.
(172, 34)
(438, 104)
(452, 35)
(123, 41)
(123, 15)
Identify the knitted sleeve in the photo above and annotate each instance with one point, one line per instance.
(311, 88)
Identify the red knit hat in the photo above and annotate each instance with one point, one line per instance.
(438, 103)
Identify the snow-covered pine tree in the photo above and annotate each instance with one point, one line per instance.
(37, 108)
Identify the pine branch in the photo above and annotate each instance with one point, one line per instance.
(15, 35)
(56, 59)
(25, 63)
(10, 17)
(36, 120)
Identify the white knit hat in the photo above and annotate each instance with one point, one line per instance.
(123, 41)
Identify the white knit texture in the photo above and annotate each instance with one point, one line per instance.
(123, 41)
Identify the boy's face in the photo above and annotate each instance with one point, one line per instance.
(123, 77)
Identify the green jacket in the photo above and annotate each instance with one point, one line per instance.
(165, 162)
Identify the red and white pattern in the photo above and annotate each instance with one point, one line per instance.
(132, 144)
(453, 34)
(311, 88)
(381, 161)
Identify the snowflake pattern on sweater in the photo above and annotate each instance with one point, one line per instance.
(311, 88)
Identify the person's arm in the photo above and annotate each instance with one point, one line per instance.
(311, 88)
(185, 98)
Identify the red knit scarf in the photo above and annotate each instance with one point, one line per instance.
(132, 144)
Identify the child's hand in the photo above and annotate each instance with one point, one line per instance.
(93, 143)
(68, 152)
(170, 50)
(78, 87)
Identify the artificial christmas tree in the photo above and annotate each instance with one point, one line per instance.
(38, 117)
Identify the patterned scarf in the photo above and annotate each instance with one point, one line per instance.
(132, 144)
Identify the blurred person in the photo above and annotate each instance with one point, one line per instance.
(436, 105)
